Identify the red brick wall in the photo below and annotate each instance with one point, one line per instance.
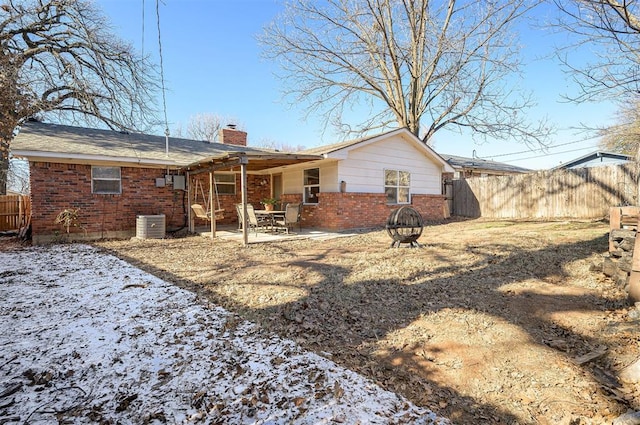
(55, 187)
(339, 211)
(258, 188)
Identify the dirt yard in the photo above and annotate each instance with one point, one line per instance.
(489, 322)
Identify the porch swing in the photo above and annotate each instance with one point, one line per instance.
(199, 210)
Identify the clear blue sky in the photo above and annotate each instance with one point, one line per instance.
(212, 64)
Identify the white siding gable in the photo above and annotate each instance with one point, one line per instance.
(363, 168)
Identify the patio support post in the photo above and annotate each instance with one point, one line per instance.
(211, 205)
(243, 183)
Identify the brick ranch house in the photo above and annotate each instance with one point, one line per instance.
(111, 178)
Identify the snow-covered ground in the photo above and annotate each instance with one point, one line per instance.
(87, 338)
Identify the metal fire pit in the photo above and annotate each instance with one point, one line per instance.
(405, 225)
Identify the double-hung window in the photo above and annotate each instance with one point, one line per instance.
(106, 180)
(225, 183)
(397, 186)
(311, 183)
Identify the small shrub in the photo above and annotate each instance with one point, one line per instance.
(69, 218)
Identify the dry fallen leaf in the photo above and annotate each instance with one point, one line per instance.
(338, 392)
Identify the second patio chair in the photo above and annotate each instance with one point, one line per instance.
(291, 217)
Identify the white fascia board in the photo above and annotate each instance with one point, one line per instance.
(339, 154)
(53, 156)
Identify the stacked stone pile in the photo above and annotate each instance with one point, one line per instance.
(618, 262)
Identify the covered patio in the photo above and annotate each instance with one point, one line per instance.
(245, 163)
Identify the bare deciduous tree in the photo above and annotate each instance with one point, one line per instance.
(610, 30)
(624, 135)
(206, 126)
(279, 146)
(59, 59)
(418, 64)
(18, 176)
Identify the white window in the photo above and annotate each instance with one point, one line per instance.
(311, 183)
(396, 186)
(106, 180)
(225, 183)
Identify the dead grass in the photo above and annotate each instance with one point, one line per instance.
(481, 325)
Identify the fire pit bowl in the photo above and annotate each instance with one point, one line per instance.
(405, 225)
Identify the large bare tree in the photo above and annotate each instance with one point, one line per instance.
(608, 32)
(59, 59)
(425, 65)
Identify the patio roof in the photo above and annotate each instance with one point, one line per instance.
(245, 162)
(254, 161)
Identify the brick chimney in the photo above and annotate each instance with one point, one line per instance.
(230, 136)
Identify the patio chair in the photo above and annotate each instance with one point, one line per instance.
(252, 220)
(291, 217)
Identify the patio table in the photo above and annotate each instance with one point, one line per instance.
(270, 216)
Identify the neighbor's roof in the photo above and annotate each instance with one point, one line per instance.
(595, 159)
(53, 141)
(482, 164)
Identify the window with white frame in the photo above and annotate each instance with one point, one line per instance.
(397, 186)
(106, 180)
(225, 183)
(311, 183)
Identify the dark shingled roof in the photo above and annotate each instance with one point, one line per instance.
(69, 140)
(590, 160)
(482, 164)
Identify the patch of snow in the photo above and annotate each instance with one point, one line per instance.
(86, 337)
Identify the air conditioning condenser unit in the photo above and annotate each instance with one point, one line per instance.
(150, 226)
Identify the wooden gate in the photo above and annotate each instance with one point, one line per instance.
(448, 195)
(15, 212)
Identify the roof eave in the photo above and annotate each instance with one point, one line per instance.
(66, 157)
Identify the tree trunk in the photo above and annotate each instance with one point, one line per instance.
(4, 165)
(637, 170)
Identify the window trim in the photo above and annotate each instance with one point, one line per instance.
(94, 179)
(397, 186)
(305, 186)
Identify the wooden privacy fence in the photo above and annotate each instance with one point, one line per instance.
(15, 212)
(575, 193)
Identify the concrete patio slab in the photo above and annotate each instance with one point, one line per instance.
(232, 233)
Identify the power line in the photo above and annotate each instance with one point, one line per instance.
(550, 154)
(541, 149)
